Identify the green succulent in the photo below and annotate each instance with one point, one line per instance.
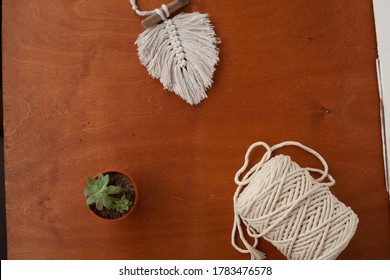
(98, 192)
(121, 205)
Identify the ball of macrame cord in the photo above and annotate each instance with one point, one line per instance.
(281, 202)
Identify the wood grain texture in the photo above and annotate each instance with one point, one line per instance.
(77, 101)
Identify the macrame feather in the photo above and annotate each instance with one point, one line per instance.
(182, 53)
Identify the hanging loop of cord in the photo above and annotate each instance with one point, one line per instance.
(159, 14)
(140, 13)
(269, 150)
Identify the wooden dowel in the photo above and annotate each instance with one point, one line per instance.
(172, 7)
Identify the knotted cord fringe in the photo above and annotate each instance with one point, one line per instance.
(281, 202)
(181, 52)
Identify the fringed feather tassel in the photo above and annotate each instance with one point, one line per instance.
(182, 53)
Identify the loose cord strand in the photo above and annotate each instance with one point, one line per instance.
(163, 12)
(140, 13)
(269, 150)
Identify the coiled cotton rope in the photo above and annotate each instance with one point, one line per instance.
(281, 202)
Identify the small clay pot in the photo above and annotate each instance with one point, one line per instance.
(131, 191)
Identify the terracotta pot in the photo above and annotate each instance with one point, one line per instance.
(135, 199)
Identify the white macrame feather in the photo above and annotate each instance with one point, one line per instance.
(182, 53)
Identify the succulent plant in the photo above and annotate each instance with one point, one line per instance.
(122, 205)
(99, 192)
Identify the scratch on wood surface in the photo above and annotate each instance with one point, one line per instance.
(158, 109)
(39, 64)
(42, 52)
(33, 10)
(62, 94)
(77, 9)
(100, 127)
(113, 123)
(23, 118)
(85, 129)
(296, 86)
(26, 207)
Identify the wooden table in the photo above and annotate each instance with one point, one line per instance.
(77, 101)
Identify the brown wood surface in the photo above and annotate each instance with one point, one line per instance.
(77, 101)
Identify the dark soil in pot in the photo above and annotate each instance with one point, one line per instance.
(121, 180)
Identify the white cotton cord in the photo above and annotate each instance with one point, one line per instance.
(251, 249)
(166, 10)
(140, 13)
(182, 53)
(163, 12)
(281, 202)
(245, 180)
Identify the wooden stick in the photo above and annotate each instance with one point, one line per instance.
(172, 7)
